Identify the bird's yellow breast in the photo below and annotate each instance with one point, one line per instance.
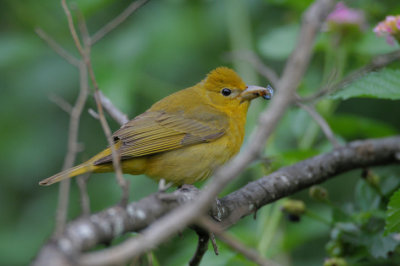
(197, 162)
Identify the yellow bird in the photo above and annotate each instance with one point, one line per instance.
(184, 137)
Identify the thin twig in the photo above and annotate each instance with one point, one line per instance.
(321, 122)
(114, 112)
(85, 53)
(214, 243)
(94, 114)
(83, 30)
(377, 62)
(84, 196)
(73, 147)
(116, 21)
(258, 65)
(123, 183)
(138, 216)
(57, 47)
(202, 246)
(75, 113)
(72, 30)
(172, 223)
(60, 102)
(233, 243)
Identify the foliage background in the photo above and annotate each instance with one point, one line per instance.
(166, 46)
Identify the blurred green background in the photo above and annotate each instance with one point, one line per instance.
(166, 46)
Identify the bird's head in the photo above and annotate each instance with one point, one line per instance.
(227, 90)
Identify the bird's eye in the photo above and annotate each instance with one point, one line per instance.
(226, 92)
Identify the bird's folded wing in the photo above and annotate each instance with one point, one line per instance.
(155, 132)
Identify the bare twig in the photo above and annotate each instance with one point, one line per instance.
(102, 227)
(114, 112)
(111, 109)
(124, 184)
(94, 114)
(57, 48)
(85, 201)
(214, 243)
(249, 253)
(258, 65)
(321, 122)
(75, 113)
(60, 102)
(378, 62)
(178, 219)
(170, 224)
(83, 29)
(73, 146)
(117, 20)
(72, 30)
(85, 53)
(202, 246)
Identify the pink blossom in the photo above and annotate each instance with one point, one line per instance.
(345, 15)
(389, 28)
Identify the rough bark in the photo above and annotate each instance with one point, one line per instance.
(86, 232)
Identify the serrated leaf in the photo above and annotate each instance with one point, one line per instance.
(384, 84)
(393, 214)
(379, 246)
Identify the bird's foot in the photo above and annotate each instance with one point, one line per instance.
(217, 210)
(163, 186)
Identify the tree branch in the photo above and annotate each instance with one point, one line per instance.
(321, 122)
(57, 48)
(84, 196)
(180, 218)
(236, 245)
(258, 65)
(85, 54)
(116, 21)
(85, 233)
(63, 196)
(114, 112)
(202, 246)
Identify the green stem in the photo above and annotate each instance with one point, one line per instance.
(270, 224)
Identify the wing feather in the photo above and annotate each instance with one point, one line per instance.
(157, 131)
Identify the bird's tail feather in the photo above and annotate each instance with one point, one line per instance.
(71, 172)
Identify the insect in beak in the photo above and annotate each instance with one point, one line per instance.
(253, 91)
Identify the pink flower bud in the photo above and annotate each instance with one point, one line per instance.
(389, 28)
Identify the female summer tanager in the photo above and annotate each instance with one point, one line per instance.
(184, 137)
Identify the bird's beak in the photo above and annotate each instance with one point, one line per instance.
(252, 92)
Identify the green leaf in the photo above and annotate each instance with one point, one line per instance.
(393, 214)
(384, 84)
(366, 197)
(355, 127)
(379, 246)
